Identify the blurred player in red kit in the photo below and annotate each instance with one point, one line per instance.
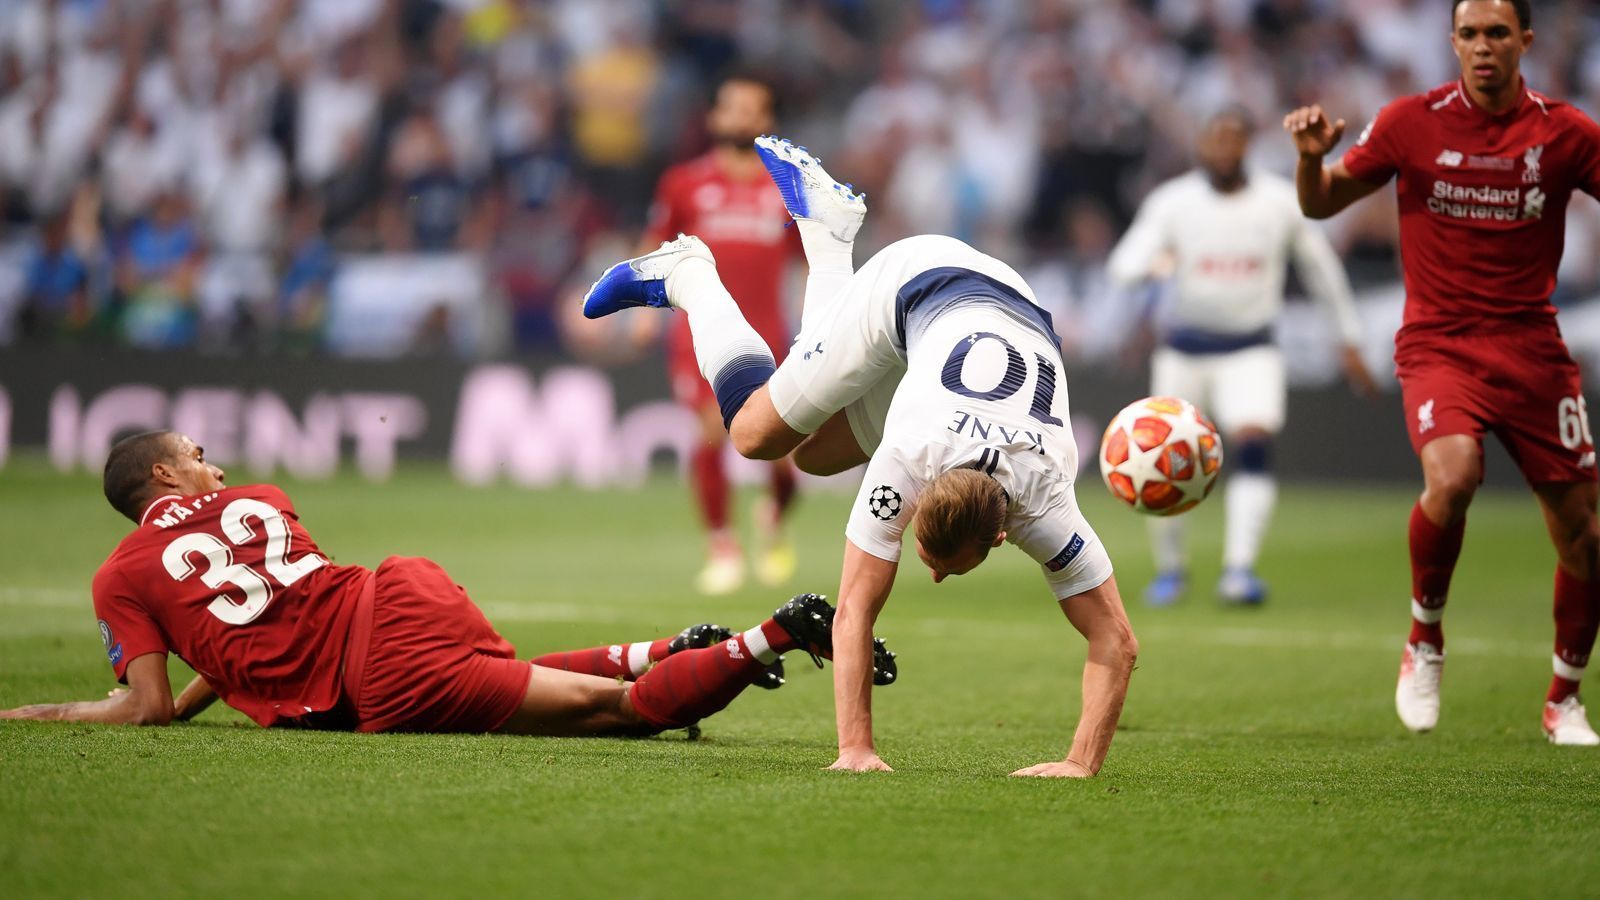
(1483, 169)
(229, 580)
(726, 198)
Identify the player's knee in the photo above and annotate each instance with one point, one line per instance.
(1452, 488)
(1253, 454)
(1127, 646)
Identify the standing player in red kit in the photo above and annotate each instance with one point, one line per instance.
(229, 580)
(726, 198)
(1483, 168)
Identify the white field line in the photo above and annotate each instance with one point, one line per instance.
(1206, 636)
(1242, 636)
(50, 597)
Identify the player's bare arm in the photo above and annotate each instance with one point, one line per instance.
(193, 700)
(864, 587)
(1323, 190)
(1098, 615)
(148, 700)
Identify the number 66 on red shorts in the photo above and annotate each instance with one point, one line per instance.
(1520, 384)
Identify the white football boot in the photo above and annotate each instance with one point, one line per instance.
(1567, 725)
(808, 191)
(642, 281)
(723, 574)
(1416, 697)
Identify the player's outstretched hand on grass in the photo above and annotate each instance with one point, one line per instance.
(859, 761)
(1064, 769)
(1313, 133)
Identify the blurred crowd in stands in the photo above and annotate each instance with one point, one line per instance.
(380, 177)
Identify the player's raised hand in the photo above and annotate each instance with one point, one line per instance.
(1065, 768)
(1313, 133)
(859, 761)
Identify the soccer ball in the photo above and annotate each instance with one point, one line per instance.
(1160, 455)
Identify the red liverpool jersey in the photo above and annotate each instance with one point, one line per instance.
(232, 583)
(1483, 202)
(743, 221)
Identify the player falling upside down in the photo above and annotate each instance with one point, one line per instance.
(935, 365)
(229, 580)
(726, 198)
(1226, 235)
(1483, 169)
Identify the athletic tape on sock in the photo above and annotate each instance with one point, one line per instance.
(1425, 615)
(756, 640)
(638, 658)
(1563, 670)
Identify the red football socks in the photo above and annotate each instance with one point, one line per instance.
(625, 661)
(1434, 552)
(710, 480)
(1577, 614)
(692, 684)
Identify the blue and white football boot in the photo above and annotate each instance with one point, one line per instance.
(642, 281)
(1167, 588)
(1242, 587)
(809, 191)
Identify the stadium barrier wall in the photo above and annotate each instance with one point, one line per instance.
(531, 422)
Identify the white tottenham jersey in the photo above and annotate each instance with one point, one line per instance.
(1230, 252)
(982, 389)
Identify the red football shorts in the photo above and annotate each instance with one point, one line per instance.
(689, 387)
(434, 663)
(1520, 384)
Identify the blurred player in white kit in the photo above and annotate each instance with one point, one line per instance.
(1225, 235)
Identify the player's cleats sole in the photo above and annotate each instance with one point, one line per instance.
(1416, 696)
(808, 191)
(1166, 590)
(722, 574)
(808, 618)
(642, 281)
(1241, 587)
(1566, 724)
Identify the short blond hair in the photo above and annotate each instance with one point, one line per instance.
(961, 508)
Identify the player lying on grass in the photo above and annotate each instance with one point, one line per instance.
(936, 363)
(1483, 169)
(229, 580)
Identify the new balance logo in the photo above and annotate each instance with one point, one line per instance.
(1450, 158)
(1425, 418)
(614, 654)
(1586, 461)
(817, 350)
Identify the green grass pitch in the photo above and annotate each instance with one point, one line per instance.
(1259, 753)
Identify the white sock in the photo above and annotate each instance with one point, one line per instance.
(1166, 543)
(1250, 498)
(638, 656)
(756, 640)
(733, 358)
(830, 262)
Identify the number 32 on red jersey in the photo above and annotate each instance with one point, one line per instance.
(221, 569)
